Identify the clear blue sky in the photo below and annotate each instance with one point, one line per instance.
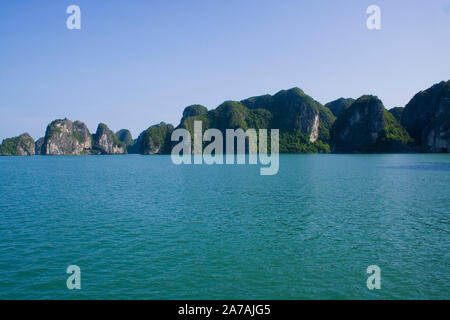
(136, 63)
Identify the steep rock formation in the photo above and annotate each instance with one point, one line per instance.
(64, 137)
(339, 105)
(427, 118)
(367, 127)
(22, 145)
(305, 126)
(38, 146)
(106, 142)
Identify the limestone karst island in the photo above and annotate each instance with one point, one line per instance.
(345, 125)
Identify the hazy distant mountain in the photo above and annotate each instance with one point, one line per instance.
(339, 105)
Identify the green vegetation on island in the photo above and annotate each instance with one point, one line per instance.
(367, 127)
(22, 145)
(125, 136)
(427, 118)
(106, 142)
(304, 123)
(339, 105)
(344, 125)
(397, 113)
(154, 140)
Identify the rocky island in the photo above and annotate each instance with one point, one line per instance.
(22, 145)
(345, 125)
(367, 127)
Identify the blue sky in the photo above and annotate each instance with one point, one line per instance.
(136, 63)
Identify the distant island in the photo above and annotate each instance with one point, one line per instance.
(345, 125)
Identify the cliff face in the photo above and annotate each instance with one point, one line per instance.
(38, 146)
(339, 105)
(427, 118)
(106, 142)
(22, 145)
(367, 127)
(64, 137)
(154, 140)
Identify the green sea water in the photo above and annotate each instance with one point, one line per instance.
(140, 227)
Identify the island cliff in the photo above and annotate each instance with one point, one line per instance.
(22, 145)
(106, 142)
(367, 127)
(64, 137)
(427, 118)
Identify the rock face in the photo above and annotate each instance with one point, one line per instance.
(339, 105)
(427, 118)
(367, 127)
(397, 113)
(22, 145)
(64, 137)
(314, 134)
(155, 140)
(38, 146)
(106, 142)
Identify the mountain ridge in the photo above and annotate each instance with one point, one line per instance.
(306, 126)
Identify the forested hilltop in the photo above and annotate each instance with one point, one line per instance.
(345, 125)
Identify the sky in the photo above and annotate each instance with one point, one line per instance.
(136, 63)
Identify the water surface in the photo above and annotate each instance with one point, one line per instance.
(140, 227)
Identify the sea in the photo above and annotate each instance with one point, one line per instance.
(141, 227)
